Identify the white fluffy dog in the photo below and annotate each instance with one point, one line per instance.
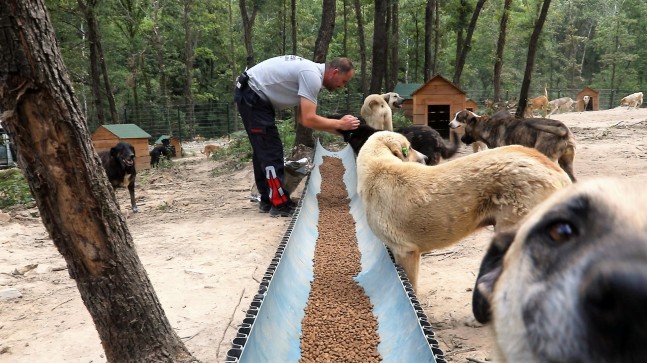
(416, 208)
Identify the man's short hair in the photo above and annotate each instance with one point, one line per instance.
(343, 64)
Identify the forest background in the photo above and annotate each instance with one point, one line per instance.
(152, 61)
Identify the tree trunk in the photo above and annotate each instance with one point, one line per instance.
(326, 28)
(434, 63)
(379, 47)
(394, 41)
(77, 205)
(530, 61)
(500, 47)
(429, 30)
(361, 37)
(460, 63)
(248, 25)
(189, 56)
(95, 76)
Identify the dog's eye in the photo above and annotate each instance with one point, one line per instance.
(405, 151)
(561, 231)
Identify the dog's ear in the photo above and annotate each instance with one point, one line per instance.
(489, 272)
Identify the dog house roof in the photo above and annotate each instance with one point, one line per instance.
(127, 131)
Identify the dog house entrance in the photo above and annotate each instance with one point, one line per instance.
(438, 119)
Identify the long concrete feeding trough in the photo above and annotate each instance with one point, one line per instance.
(271, 330)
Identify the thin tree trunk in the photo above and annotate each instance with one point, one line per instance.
(78, 206)
(434, 63)
(460, 63)
(379, 48)
(361, 37)
(500, 46)
(394, 41)
(248, 25)
(429, 30)
(95, 76)
(530, 61)
(189, 46)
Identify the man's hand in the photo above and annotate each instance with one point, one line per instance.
(348, 122)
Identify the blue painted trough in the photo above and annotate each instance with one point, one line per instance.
(271, 330)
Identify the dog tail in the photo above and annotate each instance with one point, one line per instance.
(449, 151)
(546, 91)
(559, 130)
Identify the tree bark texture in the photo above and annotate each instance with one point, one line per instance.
(500, 47)
(530, 61)
(77, 205)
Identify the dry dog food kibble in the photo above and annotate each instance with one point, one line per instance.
(338, 325)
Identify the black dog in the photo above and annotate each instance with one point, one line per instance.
(428, 141)
(157, 153)
(119, 163)
(423, 138)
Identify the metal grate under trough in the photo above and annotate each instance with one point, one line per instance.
(271, 329)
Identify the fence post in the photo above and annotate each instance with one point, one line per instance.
(613, 96)
(179, 126)
(125, 115)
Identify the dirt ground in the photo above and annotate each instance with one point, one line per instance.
(206, 247)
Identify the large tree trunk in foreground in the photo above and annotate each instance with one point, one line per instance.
(77, 205)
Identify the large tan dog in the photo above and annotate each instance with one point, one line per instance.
(570, 284)
(377, 110)
(550, 137)
(416, 208)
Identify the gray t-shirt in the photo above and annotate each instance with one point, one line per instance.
(284, 79)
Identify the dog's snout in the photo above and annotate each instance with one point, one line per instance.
(615, 305)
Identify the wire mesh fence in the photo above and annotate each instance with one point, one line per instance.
(213, 120)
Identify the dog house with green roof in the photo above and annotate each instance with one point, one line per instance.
(107, 136)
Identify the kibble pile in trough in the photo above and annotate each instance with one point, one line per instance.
(339, 325)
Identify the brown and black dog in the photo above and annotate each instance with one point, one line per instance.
(423, 139)
(119, 164)
(550, 137)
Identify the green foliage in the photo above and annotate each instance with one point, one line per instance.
(598, 43)
(14, 189)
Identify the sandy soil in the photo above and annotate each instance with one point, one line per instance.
(206, 247)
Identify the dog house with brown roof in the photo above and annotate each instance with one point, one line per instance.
(594, 104)
(107, 136)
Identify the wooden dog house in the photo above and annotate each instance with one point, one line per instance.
(433, 103)
(436, 102)
(594, 104)
(107, 136)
